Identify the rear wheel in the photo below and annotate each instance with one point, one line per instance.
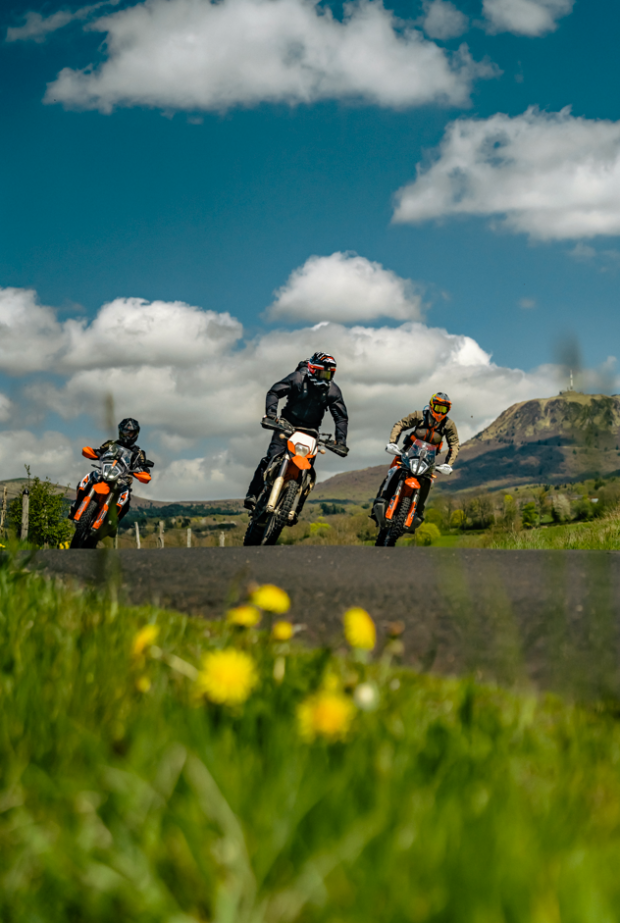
(397, 528)
(279, 518)
(82, 537)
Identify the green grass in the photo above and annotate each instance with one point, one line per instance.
(451, 802)
(600, 534)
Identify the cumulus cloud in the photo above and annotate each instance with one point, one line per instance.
(443, 19)
(345, 288)
(204, 55)
(525, 17)
(6, 408)
(52, 453)
(37, 28)
(198, 387)
(549, 175)
(126, 331)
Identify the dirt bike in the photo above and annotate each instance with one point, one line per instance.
(289, 478)
(400, 515)
(103, 494)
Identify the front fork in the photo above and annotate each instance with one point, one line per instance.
(278, 484)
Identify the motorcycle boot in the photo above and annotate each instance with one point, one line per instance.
(418, 518)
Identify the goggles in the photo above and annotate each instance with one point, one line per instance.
(440, 408)
(322, 374)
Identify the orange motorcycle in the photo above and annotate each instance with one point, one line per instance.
(103, 494)
(289, 478)
(409, 464)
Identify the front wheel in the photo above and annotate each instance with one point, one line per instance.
(394, 532)
(279, 517)
(82, 537)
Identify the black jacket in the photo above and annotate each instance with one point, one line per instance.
(307, 404)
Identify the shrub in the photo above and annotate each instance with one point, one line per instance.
(48, 526)
(427, 533)
(560, 508)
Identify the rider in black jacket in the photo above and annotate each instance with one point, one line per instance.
(310, 391)
(128, 432)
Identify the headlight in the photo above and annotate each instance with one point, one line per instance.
(111, 474)
(301, 449)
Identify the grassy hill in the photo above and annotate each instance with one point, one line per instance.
(548, 440)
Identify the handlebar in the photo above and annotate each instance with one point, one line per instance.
(283, 426)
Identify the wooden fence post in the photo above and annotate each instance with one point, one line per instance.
(222, 539)
(160, 537)
(137, 535)
(25, 514)
(189, 538)
(116, 541)
(4, 509)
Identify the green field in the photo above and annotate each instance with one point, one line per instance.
(127, 795)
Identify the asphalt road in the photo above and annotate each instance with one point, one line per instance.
(548, 618)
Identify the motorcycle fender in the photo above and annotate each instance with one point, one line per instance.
(411, 482)
(142, 476)
(87, 452)
(101, 488)
(301, 462)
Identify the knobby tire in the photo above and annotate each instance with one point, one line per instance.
(82, 537)
(279, 517)
(398, 526)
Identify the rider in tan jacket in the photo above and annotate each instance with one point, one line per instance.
(432, 425)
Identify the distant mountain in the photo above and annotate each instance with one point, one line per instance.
(548, 440)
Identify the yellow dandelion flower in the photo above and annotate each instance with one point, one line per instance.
(227, 676)
(282, 631)
(145, 637)
(271, 598)
(143, 684)
(325, 714)
(248, 616)
(359, 629)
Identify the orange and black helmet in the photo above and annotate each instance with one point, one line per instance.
(439, 405)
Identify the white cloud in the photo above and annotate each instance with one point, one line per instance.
(525, 17)
(37, 28)
(199, 395)
(6, 408)
(126, 331)
(443, 20)
(345, 288)
(203, 55)
(30, 335)
(549, 175)
(52, 453)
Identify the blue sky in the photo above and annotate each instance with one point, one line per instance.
(212, 183)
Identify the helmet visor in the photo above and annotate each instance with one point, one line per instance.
(440, 408)
(326, 374)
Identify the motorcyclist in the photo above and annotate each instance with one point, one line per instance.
(128, 432)
(310, 391)
(431, 425)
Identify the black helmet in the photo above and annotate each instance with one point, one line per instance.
(321, 369)
(128, 431)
